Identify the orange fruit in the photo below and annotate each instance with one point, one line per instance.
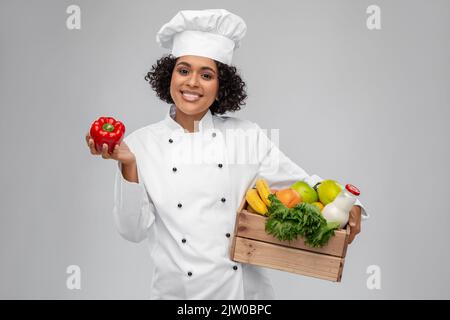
(289, 197)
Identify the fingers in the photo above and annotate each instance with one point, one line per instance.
(352, 218)
(90, 143)
(351, 237)
(105, 153)
(354, 222)
(353, 232)
(355, 217)
(115, 153)
(91, 146)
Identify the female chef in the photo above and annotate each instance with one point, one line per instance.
(180, 181)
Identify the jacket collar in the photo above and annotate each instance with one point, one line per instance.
(206, 123)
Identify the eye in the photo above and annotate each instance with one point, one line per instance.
(182, 71)
(207, 76)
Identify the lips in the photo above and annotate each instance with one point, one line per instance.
(191, 96)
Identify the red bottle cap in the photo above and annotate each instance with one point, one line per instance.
(352, 189)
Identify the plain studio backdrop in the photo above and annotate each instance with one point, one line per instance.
(367, 107)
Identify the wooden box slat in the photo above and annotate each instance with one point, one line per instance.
(251, 225)
(288, 259)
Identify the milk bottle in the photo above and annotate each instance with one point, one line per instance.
(339, 209)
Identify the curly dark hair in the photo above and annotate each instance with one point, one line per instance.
(232, 90)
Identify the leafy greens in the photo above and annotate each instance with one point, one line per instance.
(303, 220)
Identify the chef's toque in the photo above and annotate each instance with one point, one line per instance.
(212, 33)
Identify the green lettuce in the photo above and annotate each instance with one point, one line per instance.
(303, 220)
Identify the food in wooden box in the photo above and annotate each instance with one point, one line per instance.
(293, 238)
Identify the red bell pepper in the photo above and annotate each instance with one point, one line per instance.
(107, 130)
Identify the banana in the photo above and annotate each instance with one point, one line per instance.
(250, 209)
(255, 201)
(263, 190)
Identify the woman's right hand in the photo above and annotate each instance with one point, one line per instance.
(120, 153)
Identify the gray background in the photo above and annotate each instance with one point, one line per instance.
(364, 107)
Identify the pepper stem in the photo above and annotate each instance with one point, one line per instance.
(108, 127)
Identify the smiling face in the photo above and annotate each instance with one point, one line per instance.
(194, 84)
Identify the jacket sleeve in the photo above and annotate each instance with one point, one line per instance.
(134, 212)
(281, 172)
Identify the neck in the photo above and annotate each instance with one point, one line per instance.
(189, 121)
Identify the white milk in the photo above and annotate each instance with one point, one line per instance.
(339, 209)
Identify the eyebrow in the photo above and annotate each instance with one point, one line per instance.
(202, 68)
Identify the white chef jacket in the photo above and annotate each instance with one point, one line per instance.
(190, 187)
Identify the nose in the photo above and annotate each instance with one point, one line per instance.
(193, 80)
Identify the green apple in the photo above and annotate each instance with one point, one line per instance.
(308, 194)
(328, 191)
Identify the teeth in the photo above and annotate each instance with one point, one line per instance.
(191, 96)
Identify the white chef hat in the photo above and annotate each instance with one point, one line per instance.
(212, 33)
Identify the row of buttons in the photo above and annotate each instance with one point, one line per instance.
(226, 235)
(190, 273)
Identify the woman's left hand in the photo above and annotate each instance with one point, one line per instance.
(354, 221)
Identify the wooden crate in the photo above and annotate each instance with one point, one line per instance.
(251, 244)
